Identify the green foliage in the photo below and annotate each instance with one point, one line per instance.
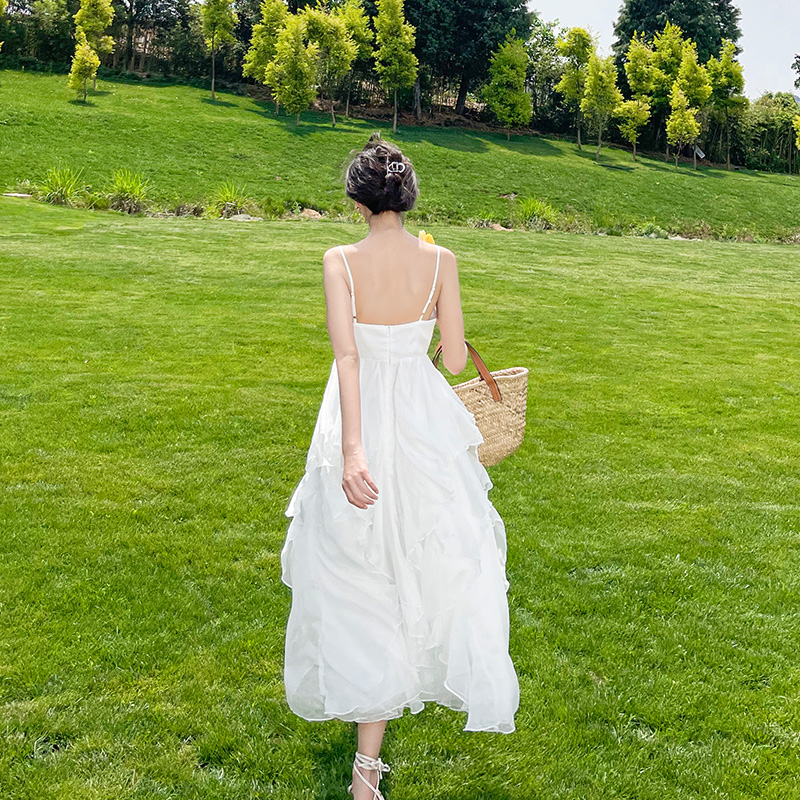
(127, 192)
(60, 186)
(666, 61)
(575, 48)
(534, 213)
(727, 85)
(639, 67)
(544, 66)
(796, 125)
(505, 93)
(291, 74)
(767, 133)
(693, 78)
(356, 23)
(335, 47)
(633, 115)
(94, 17)
(706, 22)
(219, 20)
(682, 125)
(229, 200)
(84, 63)
(395, 61)
(264, 41)
(652, 231)
(602, 96)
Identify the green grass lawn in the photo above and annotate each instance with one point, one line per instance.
(187, 145)
(160, 383)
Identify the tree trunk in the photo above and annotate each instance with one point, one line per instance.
(599, 143)
(508, 134)
(634, 151)
(213, 71)
(297, 119)
(728, 139)
(694, 155)
(333, 113)
(129, 41)
(417, 98)
(84, 90)
(347, 104)
(143, 52)
(578, 125)
(462, 95)
(394, 124)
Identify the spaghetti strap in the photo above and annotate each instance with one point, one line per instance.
(435, 276)
(352, 288)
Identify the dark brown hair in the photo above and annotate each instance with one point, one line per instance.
(368, 181)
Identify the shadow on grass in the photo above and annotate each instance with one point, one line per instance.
(221, 103)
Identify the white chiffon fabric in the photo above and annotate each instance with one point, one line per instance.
(405, 601)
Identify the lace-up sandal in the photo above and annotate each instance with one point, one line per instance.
(366, 762)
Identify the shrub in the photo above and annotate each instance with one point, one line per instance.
(60, 186)
(652, 231)
(537, 214)
(128, 192)
(230, 200)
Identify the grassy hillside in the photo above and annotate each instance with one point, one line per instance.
(161, 378)
(188, 145)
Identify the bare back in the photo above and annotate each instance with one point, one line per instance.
(393, 286)
(394, 279)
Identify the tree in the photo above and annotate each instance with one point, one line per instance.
(682, 125)
(470, 31)
(638, 64)
(292, 73)
(667, 60)
(356, 22)
(395, 62)
(634, 114)
(694, 83)
(767, 132)
(796, 68)
(796, 125)
(576, 48)
(505, 94)
(544, 65)
(727, 85)
(264, 41)
(602, 96)
(706, 22)
(94, 16)
(84, 63)
(3, 6)
(219, 20)
(336, 48)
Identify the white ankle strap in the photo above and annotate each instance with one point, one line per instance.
(367, 762)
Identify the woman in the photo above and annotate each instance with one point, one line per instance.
(395, 554)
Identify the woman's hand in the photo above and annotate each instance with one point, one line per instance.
(357, 483)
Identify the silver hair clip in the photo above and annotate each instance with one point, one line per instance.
(395, 166)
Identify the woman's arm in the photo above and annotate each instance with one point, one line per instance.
(356, 479)
(450, 318)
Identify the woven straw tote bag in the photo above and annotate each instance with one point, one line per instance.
(497, 400)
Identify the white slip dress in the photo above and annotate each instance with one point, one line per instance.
(405, 601)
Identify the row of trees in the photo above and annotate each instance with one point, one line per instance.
(664, 87)
(671, 95)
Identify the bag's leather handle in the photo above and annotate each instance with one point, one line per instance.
(483, 372)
